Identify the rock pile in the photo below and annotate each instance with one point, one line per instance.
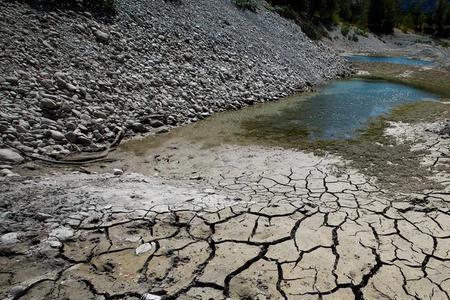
(69, 82)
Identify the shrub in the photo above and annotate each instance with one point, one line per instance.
(314, 32)
(345, 29)
(361, 32)
(246, 4)
(353, 37)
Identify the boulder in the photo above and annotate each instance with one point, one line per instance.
(8, 155)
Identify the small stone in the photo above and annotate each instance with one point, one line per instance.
(48, 104)
(147, 296)
(6, 172)
(163, 129)
(16, 291)
(118, 172)
(8, 155)
(82, 139)
(54, 243)
(139, 127)
(70, 87)
(156, 123)
(72, 137)
(56, 135)
(143, 248)
(9, 238)
(12, 80)
(62, 233)
(42, 216)
(101, 36)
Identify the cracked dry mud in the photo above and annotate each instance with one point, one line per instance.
(270, 224)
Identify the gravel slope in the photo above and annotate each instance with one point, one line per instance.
(69, 82)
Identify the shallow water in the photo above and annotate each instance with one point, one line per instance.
(340, 110)
(385, 59)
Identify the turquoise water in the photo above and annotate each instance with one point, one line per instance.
(385, 59)
(338, 111)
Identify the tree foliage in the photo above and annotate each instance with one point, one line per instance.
(379, 16)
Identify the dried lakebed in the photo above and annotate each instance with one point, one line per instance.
(214, 215)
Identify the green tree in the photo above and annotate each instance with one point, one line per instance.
(440, 16)
(382, 16)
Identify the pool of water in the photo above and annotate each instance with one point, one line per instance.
(385, 59)
(338, 111)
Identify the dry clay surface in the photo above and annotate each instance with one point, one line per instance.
(282, 225)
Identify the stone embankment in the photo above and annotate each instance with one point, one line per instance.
(71, 83)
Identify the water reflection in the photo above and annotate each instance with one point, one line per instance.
(385, 59)
(336, 112)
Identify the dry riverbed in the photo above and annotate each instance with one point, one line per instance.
(181, 216)
(190, 221)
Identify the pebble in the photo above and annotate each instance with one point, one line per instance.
(117, 172)
(62, 233)
(59, 136)
(9, 238)
(6, 172)
(8, 155)
(143, 248)
(16, 291)
(147, 296)
(101, 36)
(48, 104)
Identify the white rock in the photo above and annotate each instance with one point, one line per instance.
(101, 36)
(56, 135)
(9, 238)
(8, 155)
(54, 243)
(6, 172)
(118, 172)
(62, 233)
(143, 248)
(16, 291)
(150, 297)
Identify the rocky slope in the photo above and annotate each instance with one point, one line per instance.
(69, 82)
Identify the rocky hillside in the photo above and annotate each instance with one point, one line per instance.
(69, 82)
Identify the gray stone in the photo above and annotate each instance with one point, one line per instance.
(56, 135)
(12, 79)
(101, 36)
(143, 248)
(118, 172)
(46, 103)
(82, 139)
(156, 123)
(62, 233)
(8, 155)
(16, 291)
(6, 172)
(139, 127)
(9, 238)
(147, 296)
(72, 137)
